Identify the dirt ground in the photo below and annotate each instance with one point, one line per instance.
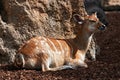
(106, 67)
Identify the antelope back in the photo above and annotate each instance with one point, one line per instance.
(43, 45)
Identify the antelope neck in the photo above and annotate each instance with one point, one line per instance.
(82, 41)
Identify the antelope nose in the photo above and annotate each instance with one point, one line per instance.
(102, 27)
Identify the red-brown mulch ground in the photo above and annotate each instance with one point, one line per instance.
(106, 67)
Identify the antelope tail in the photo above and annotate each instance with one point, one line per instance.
(19, 61)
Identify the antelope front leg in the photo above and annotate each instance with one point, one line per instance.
(78, 61)
(46, 67)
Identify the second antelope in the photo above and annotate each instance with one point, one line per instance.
(51, 54)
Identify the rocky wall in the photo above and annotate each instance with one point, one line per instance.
(22, 19)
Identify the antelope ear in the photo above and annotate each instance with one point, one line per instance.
(78, 19)
(95, 14)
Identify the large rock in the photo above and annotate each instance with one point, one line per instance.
(112, 2)
(111, 5)
(22, 19)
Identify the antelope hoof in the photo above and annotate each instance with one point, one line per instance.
(85, 65)
(93, 59)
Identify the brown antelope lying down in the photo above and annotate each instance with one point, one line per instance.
(56, 54)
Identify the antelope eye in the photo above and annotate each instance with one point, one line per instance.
(92, 21)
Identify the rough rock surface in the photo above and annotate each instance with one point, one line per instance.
(22, 19)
